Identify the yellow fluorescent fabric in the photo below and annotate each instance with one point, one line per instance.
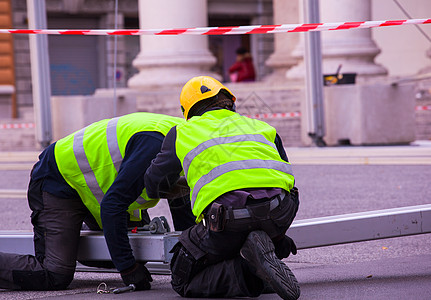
(90, 158)
(222, 151)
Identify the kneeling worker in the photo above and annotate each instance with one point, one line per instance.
(242, 193)
(96, 176)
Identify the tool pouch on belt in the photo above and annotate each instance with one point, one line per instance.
(215, 217)
(294, 195)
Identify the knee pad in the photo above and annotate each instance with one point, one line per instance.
(59, 281)
(181, 268)
(42, 280)
(182, 264)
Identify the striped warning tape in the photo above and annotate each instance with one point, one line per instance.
(423, 107)
(252, 29)
(17, 125)
(274, 115)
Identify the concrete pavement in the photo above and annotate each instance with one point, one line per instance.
(331, 181)
(403, 278)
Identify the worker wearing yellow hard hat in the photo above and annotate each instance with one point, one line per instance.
(242, 193)
(200, 88)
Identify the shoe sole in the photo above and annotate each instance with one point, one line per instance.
(268, 267)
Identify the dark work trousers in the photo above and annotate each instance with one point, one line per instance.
(56, 224)
(208, 264)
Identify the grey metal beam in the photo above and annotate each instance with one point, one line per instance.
(146, 246)
(363, 226)
(309, 233)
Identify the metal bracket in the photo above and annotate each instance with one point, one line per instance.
(157, 225)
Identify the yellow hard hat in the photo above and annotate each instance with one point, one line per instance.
(200, 88)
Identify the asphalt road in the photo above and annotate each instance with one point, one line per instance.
(354, 179)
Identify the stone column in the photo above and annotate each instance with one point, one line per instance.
(354, 49)
(171, 60)
(285, 12)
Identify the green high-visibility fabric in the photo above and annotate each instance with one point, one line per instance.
(89, 159)
(222, 151)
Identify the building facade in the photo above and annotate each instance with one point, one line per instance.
(81, 65)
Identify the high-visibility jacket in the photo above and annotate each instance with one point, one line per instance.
(90, 158)
(222, 151)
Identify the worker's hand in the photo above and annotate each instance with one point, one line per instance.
(284, 247)
(139, 275)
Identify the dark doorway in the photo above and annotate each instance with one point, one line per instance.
(223, 47)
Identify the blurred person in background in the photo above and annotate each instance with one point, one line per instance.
(243, 68)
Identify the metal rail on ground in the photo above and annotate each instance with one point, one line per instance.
(307, 233)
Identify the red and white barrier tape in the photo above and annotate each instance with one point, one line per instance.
(252, 29)
(423, 107)
(17, 125)
(274, 115)
(298, 114)
(254, 116)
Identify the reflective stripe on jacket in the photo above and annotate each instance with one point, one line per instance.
(222, 151)
(90, 158)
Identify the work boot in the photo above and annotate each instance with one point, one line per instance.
(258, 251)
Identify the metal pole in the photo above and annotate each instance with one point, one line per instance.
(114, 75)
(307, 233)
(40, 75)
(314, 77)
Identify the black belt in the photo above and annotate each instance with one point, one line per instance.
(242, 213)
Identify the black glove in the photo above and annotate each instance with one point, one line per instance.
(138, 275)
(284, 247)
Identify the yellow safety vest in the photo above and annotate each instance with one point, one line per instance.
(90, 158)
(222, 151)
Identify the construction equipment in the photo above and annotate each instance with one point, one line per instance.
(157, 225)
(309, 233)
